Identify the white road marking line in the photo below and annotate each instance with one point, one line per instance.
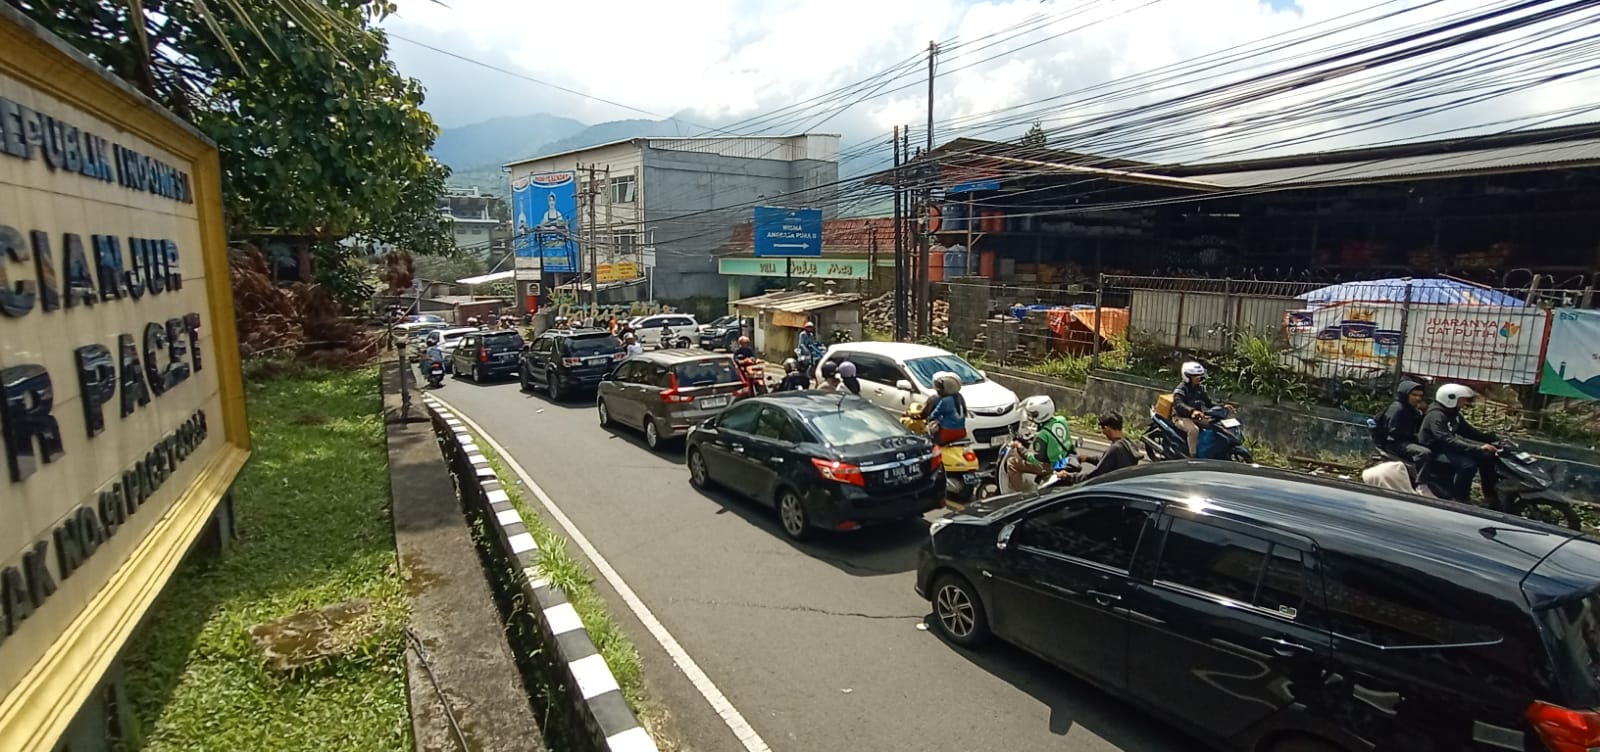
(719, 702)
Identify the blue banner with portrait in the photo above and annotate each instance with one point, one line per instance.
(545, 215)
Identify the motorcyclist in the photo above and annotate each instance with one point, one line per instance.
(847, 378)
(809, 346)
(1117, 456)
(1397, 428)
(1190, 403)
(1457, 446)
(947, 421)
(630, 344)
(743, 351)
(830, 378)
(434, 355)
(1052, 443)
(472, 321)
(666, 335)
(793, 378)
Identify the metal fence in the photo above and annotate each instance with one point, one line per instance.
(1439, 329)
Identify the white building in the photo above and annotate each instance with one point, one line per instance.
(682, 197)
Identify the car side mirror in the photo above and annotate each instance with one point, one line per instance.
(903, 385)
(1004, 541)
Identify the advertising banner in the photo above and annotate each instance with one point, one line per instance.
(545, 206)
(1572, 361)
(1484, 344)
(621, 271)
(123, 412)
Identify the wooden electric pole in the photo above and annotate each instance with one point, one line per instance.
(899, 245)
(594, 269)
(925, 214)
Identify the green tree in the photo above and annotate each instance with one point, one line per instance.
(319, 134)
(1035, 135)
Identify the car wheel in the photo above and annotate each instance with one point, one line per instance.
(699, 472)
(652, 434)
(792, 515)
(523, 380)
(552, 386)
(605, 414)
(958, 613)
(477, 375)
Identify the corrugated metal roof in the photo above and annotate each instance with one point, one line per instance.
(798, 302)
(1581, 153)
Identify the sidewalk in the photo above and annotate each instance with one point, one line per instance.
(466, 691)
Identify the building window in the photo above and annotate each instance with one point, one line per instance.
(477, 231)
(623, 189)
(625, 243)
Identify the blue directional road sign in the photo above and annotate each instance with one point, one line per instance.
(788, 232)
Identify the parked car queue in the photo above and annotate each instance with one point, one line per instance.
(1258, 609)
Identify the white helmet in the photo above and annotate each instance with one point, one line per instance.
(1450, 395)
(1039, 408)
(1193, 368)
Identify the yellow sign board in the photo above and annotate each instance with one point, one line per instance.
(123, 411)
(618, 272)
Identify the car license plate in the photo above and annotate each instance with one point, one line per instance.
(713, 402)
(598, 361)
(507, 357)
(1230, 422)
(901, 474)
(999, 441)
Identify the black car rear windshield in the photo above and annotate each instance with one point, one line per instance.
(857, 425)
(593, 344)
(1573, 630)
(706, 372)
(502, 341)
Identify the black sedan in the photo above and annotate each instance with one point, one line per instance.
(824, 460)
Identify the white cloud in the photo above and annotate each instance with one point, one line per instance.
(716, 62)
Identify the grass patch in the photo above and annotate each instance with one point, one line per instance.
(314, 530)
(569, 574)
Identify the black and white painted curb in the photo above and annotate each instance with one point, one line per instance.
(590, 683)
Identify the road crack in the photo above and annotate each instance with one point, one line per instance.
(797, 609)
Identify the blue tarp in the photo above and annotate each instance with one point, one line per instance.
(1425, 291)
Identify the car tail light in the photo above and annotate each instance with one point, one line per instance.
(969, 455)
(1565, 730)
(483, 355)
(572, 361)
(671, 393)
(840, 472)
(936, 461)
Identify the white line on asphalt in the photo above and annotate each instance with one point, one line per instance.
(719, 702)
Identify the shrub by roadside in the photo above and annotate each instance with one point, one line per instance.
(314, 531)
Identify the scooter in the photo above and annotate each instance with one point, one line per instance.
(1222, 438)
(1525, 488)
(435, 370)
(964, 474)
(754, 373)
(1030, 484)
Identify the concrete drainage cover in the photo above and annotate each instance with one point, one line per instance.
(309, 637)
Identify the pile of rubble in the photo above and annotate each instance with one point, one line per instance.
(877, 314)
(298, 320)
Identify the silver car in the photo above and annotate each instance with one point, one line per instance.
(664, 392)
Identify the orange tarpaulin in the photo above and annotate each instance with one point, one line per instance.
(1073, 329)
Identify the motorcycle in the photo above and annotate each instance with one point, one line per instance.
(1071, 463)
(435, 371)
(964, 474)
(1221, 437)
(1525, 488)
(754, 374)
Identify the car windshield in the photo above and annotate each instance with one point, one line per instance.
(857, 424)
(502, 340)
(923, 369)
(598, 344)
(706, 372)
(722, 322)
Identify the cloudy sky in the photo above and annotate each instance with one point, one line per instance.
(719, 63)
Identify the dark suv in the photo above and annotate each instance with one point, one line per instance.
(1274, 612)
(566, 360)
(487, 354)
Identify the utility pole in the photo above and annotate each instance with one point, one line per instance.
(594, 270)
(899, 246)
(925, 213)
(611, 232)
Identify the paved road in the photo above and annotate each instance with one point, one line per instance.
(819, 645)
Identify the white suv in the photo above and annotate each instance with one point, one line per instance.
(685, 330)
(895, 374)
